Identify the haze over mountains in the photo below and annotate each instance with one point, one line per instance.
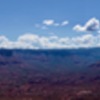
(43, 74)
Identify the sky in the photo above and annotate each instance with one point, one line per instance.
(49, 23)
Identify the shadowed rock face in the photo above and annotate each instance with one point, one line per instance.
(6, 53)
(95, 65)
(50, 74)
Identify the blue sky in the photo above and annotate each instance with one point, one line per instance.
(18, 17)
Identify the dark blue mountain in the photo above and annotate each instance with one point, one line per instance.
(42, 74)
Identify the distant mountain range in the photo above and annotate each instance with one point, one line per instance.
(26, 71)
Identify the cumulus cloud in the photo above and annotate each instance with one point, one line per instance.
(79, 28)
(33, 41)
(92, 25)
(50, 22)
(64, 23)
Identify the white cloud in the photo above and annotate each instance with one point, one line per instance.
(92, 25)
(43, 27)
(79, 28)
(2, 39)
(51, 22)
(33, 41)
(28, 37)
(48, 22)
(64, 23)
